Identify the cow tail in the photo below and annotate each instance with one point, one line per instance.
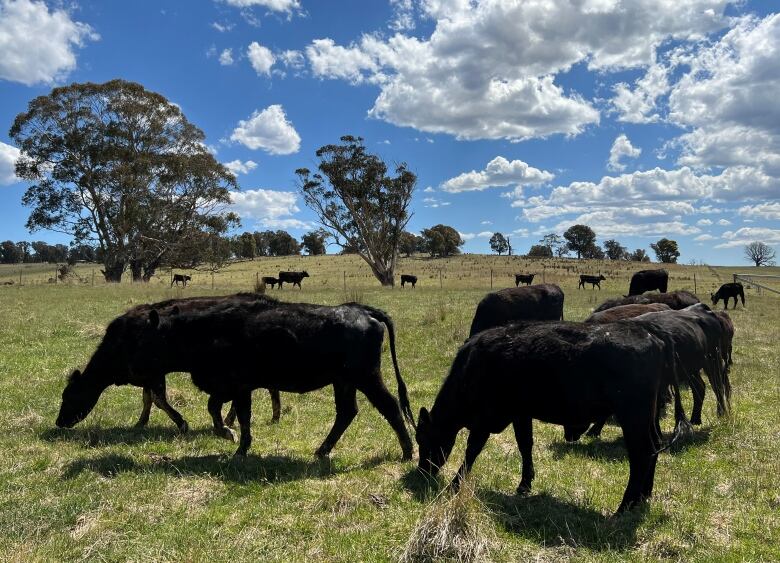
(403, 395)
(742, 295)
(681, 424)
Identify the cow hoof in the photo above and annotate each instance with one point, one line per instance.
(184, 427)
(322, 453)
(240, 454)
(226, 433)
(407, 455)
(523, 490)
(140, 424)
(696, 421)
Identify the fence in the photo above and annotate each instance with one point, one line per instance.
(750, 281)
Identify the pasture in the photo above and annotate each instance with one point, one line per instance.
(106, 491)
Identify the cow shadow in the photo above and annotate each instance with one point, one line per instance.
(549, 521)
(422, 487)
(110, 436)
(595, 448)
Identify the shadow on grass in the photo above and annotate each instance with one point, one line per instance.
(101, 436)
(546, 520)
(422, 486)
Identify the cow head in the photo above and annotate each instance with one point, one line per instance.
(601, 277)
(304, 274)
(434, 445)
(78, 399)
(714, 298)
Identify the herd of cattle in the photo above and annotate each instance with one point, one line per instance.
(521, 362)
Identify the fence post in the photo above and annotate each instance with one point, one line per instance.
(735, 278)
(93, 278)
(257, 279)
(694, 283)
(212, 280)
(441, 283)
(491, 278)
(55, 276)
(20, 276)
(345, 281)
(544, 271)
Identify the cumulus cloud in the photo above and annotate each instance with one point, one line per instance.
(237, 167)
(287, 6)
(704, 222)
(268, 130)
(746, 235)
(403, 15)
(488, 69)
(434, 203)
(38, 45)
(261, 58)
(621, 148)
(226, 57)
(769, 211)
(471, 236)
(499, 172)
(8, 156)
(270, 208)
(639, 105)
(292, 59)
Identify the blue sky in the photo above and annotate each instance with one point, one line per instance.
(641, 118)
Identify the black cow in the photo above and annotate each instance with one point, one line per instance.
(674, 300)
(180, 278)
(561, 373)
(292, 277)
(625, 312)
(543, 302)
(726, 292)
(239, 346)
(408, 278)
(592, 280)
(648, 280)
(728, 335)
(696, 337)
(272, 281)
(527, 279)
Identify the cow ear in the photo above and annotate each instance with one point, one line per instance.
(175, 311)
(425, 416)
(154, 318)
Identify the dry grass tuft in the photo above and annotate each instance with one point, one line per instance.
(91, 330)
(455, 528)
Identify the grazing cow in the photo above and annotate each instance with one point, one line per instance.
(527, 279)
(726, 292)
(592, 280)
(542, 302)
(292, 277)
(561, 373)
(121, 337)
(648, 280)
(625, 312)
(408, 278)
(239, 346)
(180, 278)
(697, 337)
(674, 299)
(272, 281)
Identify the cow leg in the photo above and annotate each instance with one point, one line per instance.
(346, 410)
(386, 404)
(641, 459)
(230, 418)
(276, 405)
(146, 396)
(161, 401)
(243, 405)
(215, 410)
(524, 434)
(474, 445)
(698, 390)
(597, 427)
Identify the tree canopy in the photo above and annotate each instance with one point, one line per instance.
(442, 240)
(761, 254)
(120, 167)
(359, 204)
(499, 243)
(666, 251)
(580, 239)
(314, 242)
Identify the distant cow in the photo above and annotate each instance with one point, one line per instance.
(592, 280)
(560, 373)
(648, 280)
(726, 292)
(242, 345)
(542, 302)
(625, 312)
(407, 278)
(180, 278)
(270, 280)
(674, 299)
(527, 279)
(292, 277)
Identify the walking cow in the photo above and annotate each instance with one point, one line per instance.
(292, 277)
(180, 278)
(592, 280)
(408, 278)
(648, 280)
(726, 292)
(272, 281)
(527, 279)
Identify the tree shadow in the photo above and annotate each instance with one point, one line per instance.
(94, 437)
(547, 521)
(252, 468)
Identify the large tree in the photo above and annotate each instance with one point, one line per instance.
(580, 239)
(10, 252)
(121, 167)
(639, 255)
(359, 203)
(442, 240)
(314, 242)
(556, 243)
(614, 250)
(409, 243)
(666, 251)
(283, 244)
(540, 251)
(499, 243)
(761, 254)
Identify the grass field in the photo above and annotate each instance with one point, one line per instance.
(106, 491)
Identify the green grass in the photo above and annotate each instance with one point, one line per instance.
(105, 491)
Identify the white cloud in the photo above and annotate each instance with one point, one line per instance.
(622, 147)
(724, 222)
(287, 6)
(434, 203)
(226, 57)
(237, 167)
(704, 222)
(403, 15)
(639, 105)
(769, 211)
(704, 237)
(746, 235)
(268, 130)
(498, 172)
(270, 208)
(329, 60)
(486, 223)
(261, 58)
(471, 236)
(8, 156)
(38, 45)
(292, 59)
(429, 189)
(222, 27)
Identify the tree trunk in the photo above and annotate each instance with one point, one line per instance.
(387, 279)
(113, 272)
(136, 270)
